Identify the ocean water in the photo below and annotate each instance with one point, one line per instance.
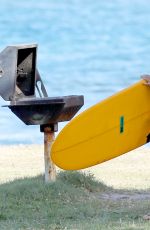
(93, 48)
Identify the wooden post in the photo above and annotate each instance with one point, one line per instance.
(50, 169)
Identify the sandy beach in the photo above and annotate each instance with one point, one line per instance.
(20, 161)
(127, 171)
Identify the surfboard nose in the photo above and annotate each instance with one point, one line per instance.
(107, 130)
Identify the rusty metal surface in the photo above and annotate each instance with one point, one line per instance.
(50, 169)
(72, 106)
(47, 110)
(38, 112)
(52, 127)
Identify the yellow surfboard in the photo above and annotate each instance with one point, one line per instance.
(108, 129)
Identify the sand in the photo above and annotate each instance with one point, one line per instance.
(131, 170)
(20, 161)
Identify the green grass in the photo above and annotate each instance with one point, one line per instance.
(74, 201)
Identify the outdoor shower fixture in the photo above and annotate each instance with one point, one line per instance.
(20, 81)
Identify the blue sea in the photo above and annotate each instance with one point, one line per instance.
(90, 48)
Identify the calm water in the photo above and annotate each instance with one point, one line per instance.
(94, 48)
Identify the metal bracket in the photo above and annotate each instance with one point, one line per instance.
(42, 90)
(49, 128)
(146, 78)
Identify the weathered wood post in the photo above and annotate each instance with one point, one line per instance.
(49, 137)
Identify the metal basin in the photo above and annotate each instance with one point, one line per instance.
(44, 111)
